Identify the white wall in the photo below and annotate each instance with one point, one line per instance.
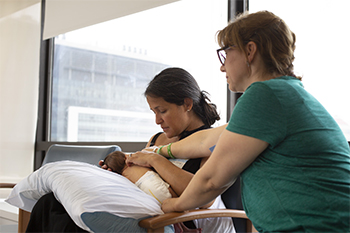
(19, 80)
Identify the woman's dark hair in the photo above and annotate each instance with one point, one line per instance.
(174, 85)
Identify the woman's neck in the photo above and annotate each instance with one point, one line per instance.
(187, 133)
(195, 123)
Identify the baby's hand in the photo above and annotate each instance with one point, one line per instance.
(103, 165)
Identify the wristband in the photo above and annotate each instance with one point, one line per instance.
(158, 151)
(169, 151)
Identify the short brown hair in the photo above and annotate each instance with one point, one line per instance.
(275, 41)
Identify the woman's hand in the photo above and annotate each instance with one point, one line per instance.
(169, 205)
(140, 158)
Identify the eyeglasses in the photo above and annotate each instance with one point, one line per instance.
(222, 54)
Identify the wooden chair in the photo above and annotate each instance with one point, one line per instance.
(93, 154)
(232, 200)
(157, 224)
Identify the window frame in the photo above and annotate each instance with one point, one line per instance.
(43, 140)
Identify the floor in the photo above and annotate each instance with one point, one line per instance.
(8, 216)
(7, 226)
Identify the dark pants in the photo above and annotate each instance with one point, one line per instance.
(48, 215)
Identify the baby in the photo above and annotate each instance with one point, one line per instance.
(144, 178)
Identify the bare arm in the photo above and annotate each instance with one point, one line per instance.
(233, 153)
(177, 178)
(196, 145)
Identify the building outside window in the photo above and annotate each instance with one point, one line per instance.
(100, 72)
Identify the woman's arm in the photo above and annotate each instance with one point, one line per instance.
(196, 145)
(177, 178)
(185, 148)
(233, 153)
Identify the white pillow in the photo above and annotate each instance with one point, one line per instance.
(84, 188)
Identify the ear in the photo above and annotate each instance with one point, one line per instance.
(252, 50)
(188, 104)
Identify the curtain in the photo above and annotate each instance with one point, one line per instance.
(19, 70)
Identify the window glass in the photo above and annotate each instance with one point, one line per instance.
(321, 55)
(100, 72)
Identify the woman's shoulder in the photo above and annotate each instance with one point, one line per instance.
(161, 139)
(164, 140)
(153, 139)
(279, 83)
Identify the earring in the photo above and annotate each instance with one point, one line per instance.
(248, 64)
(188, 110)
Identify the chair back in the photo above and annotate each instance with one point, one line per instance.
(88, 154)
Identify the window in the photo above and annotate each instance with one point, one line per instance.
(100, 72)
(321, 58)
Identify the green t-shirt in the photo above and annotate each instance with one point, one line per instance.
(301, 182)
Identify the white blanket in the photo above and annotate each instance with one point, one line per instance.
(84, 188)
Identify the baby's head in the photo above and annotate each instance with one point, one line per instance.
(115, 161)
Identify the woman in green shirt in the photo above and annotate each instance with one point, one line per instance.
(293, 158)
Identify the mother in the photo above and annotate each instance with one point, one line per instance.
(180, 108)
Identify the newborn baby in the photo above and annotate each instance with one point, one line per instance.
(144, 178)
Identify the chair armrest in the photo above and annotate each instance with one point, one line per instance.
(7, 185)
(163, 220)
